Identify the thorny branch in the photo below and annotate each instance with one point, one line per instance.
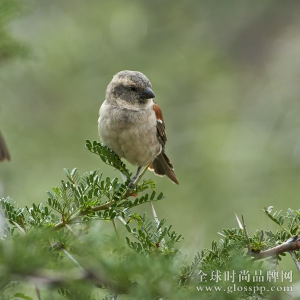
(291, 244)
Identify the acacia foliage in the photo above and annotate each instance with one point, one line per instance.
(67, 245)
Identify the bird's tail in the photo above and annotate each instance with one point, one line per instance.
(163, 166)
(4, 154)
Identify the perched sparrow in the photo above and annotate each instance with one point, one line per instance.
(4, 154)
(132, 124)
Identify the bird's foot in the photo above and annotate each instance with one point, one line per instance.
(132, 186)
(132, 182)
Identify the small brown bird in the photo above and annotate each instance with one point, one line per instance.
(4, 154)
(132, 124)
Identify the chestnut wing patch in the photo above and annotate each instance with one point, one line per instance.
(160, 125)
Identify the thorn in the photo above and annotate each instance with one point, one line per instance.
(239, 222)
(115, 227)
(246, 233)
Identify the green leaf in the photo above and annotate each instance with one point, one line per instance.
(108, 156)
(160, 196)
(22, 296)
(128, 228)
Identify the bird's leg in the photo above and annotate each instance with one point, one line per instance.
(135, 180)
(142, 174)
(132, 181)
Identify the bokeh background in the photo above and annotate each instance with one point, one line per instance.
(225, 73)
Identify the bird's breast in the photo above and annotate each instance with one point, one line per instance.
(131, 134)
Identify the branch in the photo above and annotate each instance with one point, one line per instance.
(83, 213)
(291, 244)
(95, 208)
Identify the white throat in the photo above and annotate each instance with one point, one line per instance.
(125, 104)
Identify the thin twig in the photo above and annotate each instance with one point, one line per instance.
(83, 213)
(262, 236)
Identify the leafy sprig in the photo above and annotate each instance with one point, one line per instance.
(108, 156)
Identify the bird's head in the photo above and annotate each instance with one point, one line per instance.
(130, 89)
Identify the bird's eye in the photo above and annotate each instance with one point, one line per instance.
(133, 88)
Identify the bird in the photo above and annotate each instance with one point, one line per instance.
(4, 154)
(132, 125)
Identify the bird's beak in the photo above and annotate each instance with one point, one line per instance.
(147, 94)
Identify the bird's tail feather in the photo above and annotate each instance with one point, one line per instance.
(163, 166)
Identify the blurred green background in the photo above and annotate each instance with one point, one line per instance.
(225, 73)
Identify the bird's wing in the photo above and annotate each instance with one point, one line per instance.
(160, 125)
(162, 165)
